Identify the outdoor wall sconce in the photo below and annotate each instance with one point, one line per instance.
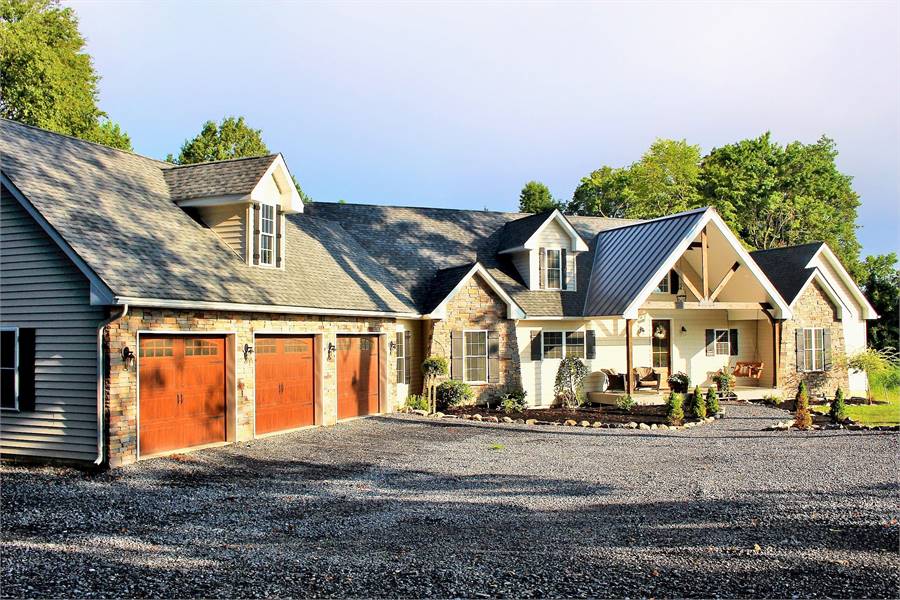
(331, 349)
(683, 330)
(248, 350)
(392, 347)
(680, 298)
(127, 357)
(640, 330)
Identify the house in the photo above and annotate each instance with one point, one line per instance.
(148, 307)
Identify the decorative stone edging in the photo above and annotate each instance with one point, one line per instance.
(569, 422)
(850, 425)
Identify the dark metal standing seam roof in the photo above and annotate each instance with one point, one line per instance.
(627, 258)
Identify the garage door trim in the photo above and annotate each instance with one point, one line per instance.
(318, 376)
(230, 381)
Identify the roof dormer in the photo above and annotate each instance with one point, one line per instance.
(544, 248)
(244, 201)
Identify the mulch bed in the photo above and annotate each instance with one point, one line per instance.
(641, 414)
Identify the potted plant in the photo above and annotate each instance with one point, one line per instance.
(679, 382)
(724, 381)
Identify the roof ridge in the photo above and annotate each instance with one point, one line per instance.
(663, 218)
(782, 248)
(172, 166)
(84, 141)
(519, 215)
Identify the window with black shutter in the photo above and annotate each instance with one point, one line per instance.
(9, 369)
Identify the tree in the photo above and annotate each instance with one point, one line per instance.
(775, 196)
(881, 284)
(603, 193)
(838, 409)
(665, 180)
(47, 79)
(802, 416)
(535, 198)
(233, 138)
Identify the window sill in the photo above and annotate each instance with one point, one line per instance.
(10, 410)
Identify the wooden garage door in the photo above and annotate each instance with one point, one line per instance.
(182, 392)
(285, 383)
(357, 372)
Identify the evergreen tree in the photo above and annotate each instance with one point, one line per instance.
(802, 416)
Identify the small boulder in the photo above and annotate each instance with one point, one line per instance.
(644, 426)
(597, 425)
(631, 425)
(519, 421)
(663, 426)
(438, 415)
(506, 420)
(531, 421)
(420, 412)
(491, 420)
(477, 417)
(585, 423)
(654, 426)
(570, 423)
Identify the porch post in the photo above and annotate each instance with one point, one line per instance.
(776, 353)
(629, 383)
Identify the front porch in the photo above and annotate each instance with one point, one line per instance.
(655, 398)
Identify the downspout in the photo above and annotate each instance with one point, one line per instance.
(100, 387)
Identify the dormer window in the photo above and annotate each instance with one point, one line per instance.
(554, 269)
(267, 235)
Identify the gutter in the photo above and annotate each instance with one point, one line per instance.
(100, 387)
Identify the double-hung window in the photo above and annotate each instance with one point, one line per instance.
(401, 357)
(267, 235)
(559, 344)
(475, 356)
(663, 287)
(723, 342)
(813, 358)
(9, 369)
(554, 269)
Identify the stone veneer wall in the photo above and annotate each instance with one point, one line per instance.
(476, 306)
(813, 309)
(121, 384)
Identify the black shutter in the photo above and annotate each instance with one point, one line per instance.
(456, 355)
(542, 272)
(673, 282)
(26, 369)
(826, 345)
(562, 269)
(493, 356)
(407, 348)
(591, 343)
(536, 350)
(278, 233)
(255, 241)
(733, 338)
(800, 348)
(710, 342)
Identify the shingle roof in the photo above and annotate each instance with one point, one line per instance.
(442, 284)
(114, 209)
(515, 233)
(626, 259)
(786, 267)
(219, 178)
(415, 243)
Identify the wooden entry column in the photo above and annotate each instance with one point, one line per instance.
(629, 350)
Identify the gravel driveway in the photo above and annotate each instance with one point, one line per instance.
(403, 506)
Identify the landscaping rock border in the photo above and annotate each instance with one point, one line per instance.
(491, 419)
(850, 425)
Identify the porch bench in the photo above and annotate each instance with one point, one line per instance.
(750, 370)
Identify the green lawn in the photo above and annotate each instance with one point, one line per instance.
(875, 414)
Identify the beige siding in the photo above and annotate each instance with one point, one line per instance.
(554, 236)
(41, 288)
(230, 223)
(522, 262)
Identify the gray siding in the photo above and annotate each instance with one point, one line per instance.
(230, 223)
(41, 288)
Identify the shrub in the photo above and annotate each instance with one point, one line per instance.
(679, 382)
(435, 366)
(416, 402)
(625, 403)
(724, 380)
(674, 410)
(712, 402)
(802, 416)
(569, 387)
(697, 405)
(838, 410)
(513, 401)
(453, 393)
(772, 399)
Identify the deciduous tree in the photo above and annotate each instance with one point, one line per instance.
(881, 283)
(535, 197)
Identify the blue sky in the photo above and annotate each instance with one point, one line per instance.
(459, 104)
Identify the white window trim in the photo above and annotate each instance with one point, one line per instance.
(15, 371)
(262, 234)
(564, 332)
(716, 341)
(668, 280)
(487, 354)
(816, 350)
(546, 273)
(400, 340)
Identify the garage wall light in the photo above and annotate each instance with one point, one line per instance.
(127, 357)
(248, 350)
(331, 350)
(392, 347)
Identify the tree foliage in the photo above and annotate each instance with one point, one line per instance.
(802, 416)
(771, 195)
(569, 385)
(47, 79)
(881, 283)
(535, 197)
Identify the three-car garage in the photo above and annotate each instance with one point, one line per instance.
(188, 383)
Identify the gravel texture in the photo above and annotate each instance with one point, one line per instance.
(410, 506)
